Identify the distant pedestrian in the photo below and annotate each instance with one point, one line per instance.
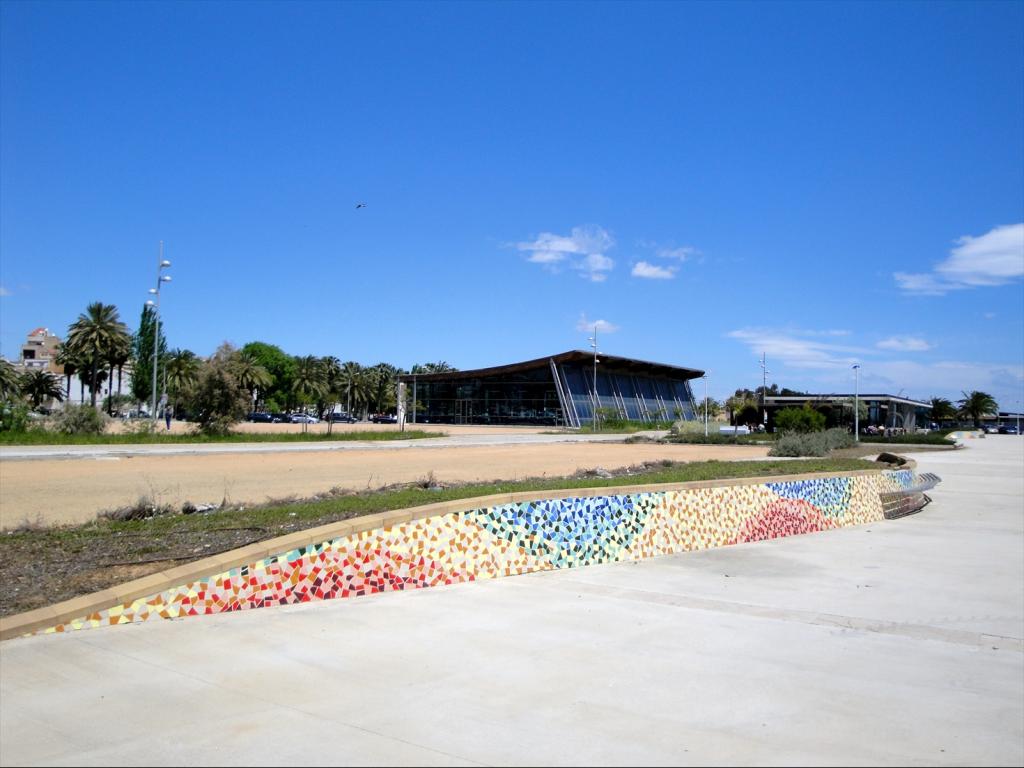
(167, 416)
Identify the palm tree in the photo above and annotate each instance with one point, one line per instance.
(309, 382)
(118, 355)
(942, 410)
(10, 382)
(441, 366)
(66, 358)
(182, 372)
(252, 376)
(93, 336)
(977, 405)
(351, 384)
(40, 385)
(381, 392)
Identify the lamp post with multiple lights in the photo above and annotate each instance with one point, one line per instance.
(162, 264)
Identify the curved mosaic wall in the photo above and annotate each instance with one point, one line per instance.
(512, 539)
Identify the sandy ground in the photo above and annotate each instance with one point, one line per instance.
(61, 491)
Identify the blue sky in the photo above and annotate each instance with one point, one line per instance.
(825, 182)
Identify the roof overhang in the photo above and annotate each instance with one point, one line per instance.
(607, 362)
(791, 399)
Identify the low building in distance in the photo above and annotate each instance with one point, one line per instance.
(883, 411)
(557, 390)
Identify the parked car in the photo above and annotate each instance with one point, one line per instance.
(281, 418)
(342, 416)
(384, 418)
(304, 418)
(1008, 429)
(990, 429)
(261, 418)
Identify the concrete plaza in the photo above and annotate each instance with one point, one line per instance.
(894, 643)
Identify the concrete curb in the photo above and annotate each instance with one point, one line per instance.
(49, 616)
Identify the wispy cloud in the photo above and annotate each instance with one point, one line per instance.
(799, 348)
(653, 271)
(583, 250)
(4, 291)
(904, 344)
(680, 254)
(994, 258)
(603, 326)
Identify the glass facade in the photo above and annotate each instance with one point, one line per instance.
(551, 393)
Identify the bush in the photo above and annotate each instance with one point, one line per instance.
(217, 401)
(79, 420)
(811, 443)
(13, 417)
(801, 420)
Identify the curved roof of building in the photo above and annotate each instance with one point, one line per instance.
(572, 356)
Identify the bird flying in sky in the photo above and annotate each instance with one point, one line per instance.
(360, 205)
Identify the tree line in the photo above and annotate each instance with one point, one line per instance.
(215, 391)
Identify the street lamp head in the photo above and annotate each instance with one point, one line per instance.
(150, 303)
(164, 263)
(152, 290)
(165, 278)
(855, 366)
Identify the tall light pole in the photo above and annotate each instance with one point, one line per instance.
(705, 377)
(856, 403)
(162, 264)
(764, 391)
(593, 344)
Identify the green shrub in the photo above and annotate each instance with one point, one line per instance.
(13, 416)
(79, 420)
(801, 420)
(811, 443)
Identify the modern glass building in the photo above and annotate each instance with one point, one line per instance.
(557, 390)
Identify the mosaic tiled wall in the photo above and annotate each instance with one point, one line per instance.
(519, 538)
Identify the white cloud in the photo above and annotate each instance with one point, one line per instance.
(680, 254)
(995, 258)
(653, 271)
(799, 349)
(904, 344)
(603, 326)
(4, 291)
(583, 250)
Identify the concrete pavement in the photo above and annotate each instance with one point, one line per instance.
(894, 643)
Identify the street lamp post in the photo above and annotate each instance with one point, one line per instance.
(705, 377)
(593, 344)
(856, 403)
(764, 391)
(162, 263)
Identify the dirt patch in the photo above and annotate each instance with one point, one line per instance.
(62, 491)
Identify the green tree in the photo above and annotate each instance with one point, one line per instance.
(942, 410)
(801, 420)
(976, 405)
(10, 382)
(441, 366)
(253, 377)
(71, 364)
(39, 385)
(93, 337)
(352, 385)
(278, 364)
(381, 382)
(182, 374)
(309, 382)
(740, 406)
(217, 401)
(714, 408)
(142, 355)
